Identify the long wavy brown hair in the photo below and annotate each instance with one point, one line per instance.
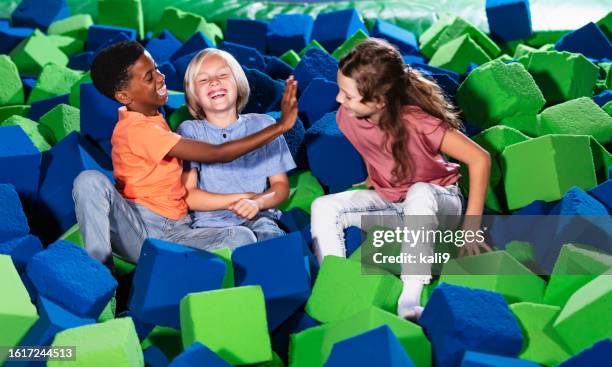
(381, 75)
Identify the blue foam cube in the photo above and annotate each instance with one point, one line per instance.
(509, 20)
(603, 97)
(19, 161)
(81, 61)
(13, 222)
(277, 68)
(98, 35)
(119, 37)
(294, 219)
(172, 79)
(21, 249)
(181, 64)
(246, 56)
(10, 37)
(299, 321)
(37, 14)
(42, 106)
(295, 140)
(143, 329)
(577, 202)
(318, 99)
(288, 32)
(248, 32)
(28, 83)
(163, 46)
(588, 40)
(474, 359)
(411, 59)
(598, 355)
(98, 113)
(432, 70)
(277, 265)
(332, 28)
(157, 292)
(65, 274)
(603, 193)
(353, 237)
(537, 207)
(332, 158)
(197, 42)
(198, 355)
(459, 319)
(357, 350)
(266, 93)
(404, 40)
(315, 64)
(154, 357)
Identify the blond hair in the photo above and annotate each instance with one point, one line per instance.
(242, 83)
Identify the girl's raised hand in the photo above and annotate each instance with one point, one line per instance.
(289, 105)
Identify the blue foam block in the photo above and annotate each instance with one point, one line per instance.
(299, 321)
(315, 64)
(21, 249)
(198, 355)
(11, 37)
(245, 55)
(294, 219)
(81, 61)
(277, 68)
(154, 357)
(295, 140)
(119, 37)
(404, 40)
(318, 99)
(603, 97)
(577, 202)
(588, 40)
(172, 80)
(266, 93)
(13, 222)
(509, 20)
(163, 46)
(356, 351)
(277, 265)
(198, 41)
(28, 83)
(181, 64)
(248, 32)
(332, 28)
(19, 161)
(98, 113)
(412, 59)
(598, 355)
(5, 23)
(156, 292)
(449, 85)
(65, 274)
(288, 32)
(537, 207)
(332, 158)
(603, 193)
(353, 236)
(459, 319)
(474, 359)
(42, 106)
(38, 14)
(175, 101)
(143, 329)
(101, 34)
(432, 70)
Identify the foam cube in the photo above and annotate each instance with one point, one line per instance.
(474, 359)
(354, 351)
(588, 40)
(116, 38)
(246, 56)
(332, 28)
(231, 322)
(339, 169)
(505, 89)
(315, 64)
(168, 340)
(458, 54)
(38, 134)
(122, 13)
(54, 80)
(184, 24)
(65, 274)
(348, 45)
(602, 98)
(303, 344)
(277, 265)
(291, 58)
(299, 321)
(111, 343)
(248, 32)
(459, 319)
(61, 121)
(198, 41)
(163, 46)
(294, 139)
(19, 161)
(404, 40)
(42, 106)
(312, 44)
(10, 37)
(171, 77)
(198, 355)
(67, 45)
(154, 357)
(75, 92)
(13, 223)
(584, 319)
(98, 35)
(318, 99)
(81, 61)
(288, 31)
(579, 116)
(181, 64)
(21, 249)
(156, 294)
(277, 68)
(603, 193)
(304, 189)
(98, 113)
(30, 13)
(509, 19)
(12, 89)
(542, 344)
(597, 355)
(74, 26)
(35, 52)
(608, 108)
(266, 93)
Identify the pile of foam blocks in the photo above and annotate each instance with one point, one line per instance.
(539, 102)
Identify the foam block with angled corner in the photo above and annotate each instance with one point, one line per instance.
(30, 13)
(163, 46)
(75, 91)
(404, 40)
(65, 274)
(608, 108)
(98, 35)
(457, 55)
(304, 347)
(602, 98)
(245, 55)
(61, 121)
(117, 38)
(349, 44)
(288, 31)
(342, 281)
(122, 13)
(19, 161)
(197, 354)
(588, 40)
(266, 93)
(313, 44)
(248, 32)
(81, 61)
(154, 357)
(597, 355)
(499, 13)
(14, 110)
(291, 58)
(318, 99)
(37, 133)
(580, 116)
(184, 24)
(459, 319)
(156, 293)
(225, 254)
(171, 77)
(277, 265)
(12, 90)
(315, 64)
(603, 193)
(21, 249)
(334, 27)
(110, 343)
(475, 359)
(68, 45)
(33, 53)
(294, 139)
(277, 68)
(198, 41)
(231, 322)
(299, 321)
(10, 37)
(74, 26)
(303, 190)
(13, 222)
(98, 113)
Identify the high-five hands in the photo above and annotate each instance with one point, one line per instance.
(289, 105)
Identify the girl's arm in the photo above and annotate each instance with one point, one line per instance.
(273, 197)
(199, 200)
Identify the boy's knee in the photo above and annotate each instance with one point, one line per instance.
(88, 181)
(239, 236)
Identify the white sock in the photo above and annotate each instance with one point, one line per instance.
(409, 302)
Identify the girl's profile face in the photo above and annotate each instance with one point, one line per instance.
(215, 86)
(349, 97)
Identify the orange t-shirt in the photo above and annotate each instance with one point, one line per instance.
(144, 172)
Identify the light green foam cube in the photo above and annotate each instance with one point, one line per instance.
(304, 188)
(291, 57)
(61, 120)
(184, 24)
(54, 80)
(36, 51)
(122, 13)
(458, 54)
(11, 92)
(350, 44)
(76, 26)
(39, 134)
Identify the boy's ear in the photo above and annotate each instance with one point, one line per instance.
(123, 96)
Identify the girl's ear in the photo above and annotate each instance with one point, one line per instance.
(123, 97)
(379, 103)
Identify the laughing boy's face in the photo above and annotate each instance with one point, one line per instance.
(146, 90)
(215, 86)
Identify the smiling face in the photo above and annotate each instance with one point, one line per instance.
(350, 98)
(215, 86)
(146, 90)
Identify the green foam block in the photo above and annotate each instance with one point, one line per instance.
(66, 44)
(17, 313)
(11, 92)
(14, 110)
(304, 188)
(305, 347)
(108, 313)
(39, 134)
(231, 322)
(495, 271)
(605, 24)
(350, 44)
(226, 254)
(552, 164)
(54, 80)
(524, 253)
(167, 339)
(178, 117)
(122, 13)
(581, 116)
(497, 90)
(75, 91)
(602, 159)
(184, 24)
(458, 54)
(36, 51)
(523, 50)
(541, 343)
(342, 290)
(61, 120)
(608, 108)
(75, 26)
(527, 124)
(312, 44)
(586, 317)
(291, 57)
(111, 343)
(607, 69)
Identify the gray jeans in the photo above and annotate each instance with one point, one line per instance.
(111, 224)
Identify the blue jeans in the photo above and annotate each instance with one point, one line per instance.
(260, 228)
(111, 224)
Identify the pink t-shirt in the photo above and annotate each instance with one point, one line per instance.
(425, 134)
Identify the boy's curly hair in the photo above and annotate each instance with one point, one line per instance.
(110, 69)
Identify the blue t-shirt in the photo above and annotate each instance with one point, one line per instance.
(248, 173)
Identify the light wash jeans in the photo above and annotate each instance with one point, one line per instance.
(110, 223)
(331, 214)
(260, 228)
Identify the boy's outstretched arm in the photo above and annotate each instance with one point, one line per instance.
(193, 150)
(273, 197)
(199, 200)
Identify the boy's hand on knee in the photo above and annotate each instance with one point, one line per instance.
(289, 105)
(473, 248)
(246, 208)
